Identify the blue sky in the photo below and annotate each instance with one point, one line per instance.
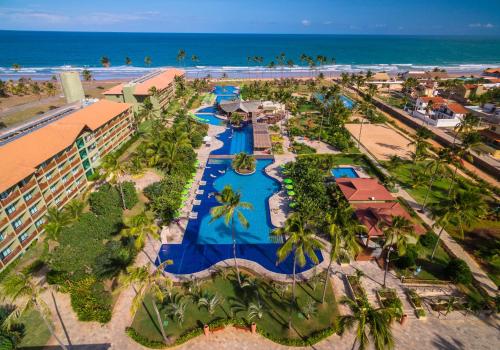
(475, 17)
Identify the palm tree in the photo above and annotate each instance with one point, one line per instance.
(369, 322)
(56, 221)
(113, 170)
(466, 125)
(421, 144)
(436, 166)
(300, 241)
(148, 110)
(105, 61)
(141, 227)
(343, 244)
(181, 56)
(469, 141)
(210, 302)
(230, 208)
(146, 282)
(16, 66)
(50, 88)
(244, 162)
(147, 61)
(255, 310)
(396, 234)
(26, 293)
(87, 75)
(128, 61)
(462, 210)
(74, 209)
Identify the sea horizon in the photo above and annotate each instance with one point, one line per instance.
(42, 54)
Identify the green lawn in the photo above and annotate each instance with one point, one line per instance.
(274, 321)
(36, 333)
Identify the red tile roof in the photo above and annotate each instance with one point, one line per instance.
(359, 189)
(434, 99)
(372, 215)
(115, 90)
(456, 108)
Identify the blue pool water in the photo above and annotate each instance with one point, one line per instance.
(225, 90)
(210, 109)
(221, 98)
(344, 172)
(348, 103)
(209, 118)
(235, 140)
(255, 189)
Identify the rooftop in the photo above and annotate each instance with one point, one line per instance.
(374, 215)
(456, 108)
(159, 79)
(361, 189)
(238, 105)
(20, 157)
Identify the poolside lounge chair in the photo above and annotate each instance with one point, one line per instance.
(196, 202)
(200, 191)
(193, 215)
(203, 183)
(221, 171)
(213, 176)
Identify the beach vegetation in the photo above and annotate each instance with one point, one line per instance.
(244, 163)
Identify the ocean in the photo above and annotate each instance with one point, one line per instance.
(41, 54)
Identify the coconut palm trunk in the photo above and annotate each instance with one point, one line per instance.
(166, 340)
(122, 196)
(327, 278)
(437, 243)
(428, 191)
(388, 259)
(234, 252)
(49, 326)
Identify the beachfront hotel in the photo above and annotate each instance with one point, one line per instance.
(158, 86)
(48, 162)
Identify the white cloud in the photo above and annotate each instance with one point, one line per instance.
(482, 25)
(112, 18)
(306, 22)
(328, 22)
(27, 15)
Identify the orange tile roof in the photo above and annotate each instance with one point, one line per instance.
(115, 90)
(371, 215)
(21, 157)
(360, 189)
(434, 99)
(492, 70)
(161, 81)
(456, 108)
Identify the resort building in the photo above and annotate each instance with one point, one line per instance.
(492, 72)
(374, 207)
(250, 108)
(47, 164)
(442, 113)
(491, 137)
(158, 86)
(422, 75)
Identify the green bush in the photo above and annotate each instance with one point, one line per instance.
(165, 196)
(140, 339)
(409, 258)
(105, 201)
(458, 271)
(90, 301)
(428, 240)
(129, 194)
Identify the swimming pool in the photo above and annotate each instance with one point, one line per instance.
(209, 118)
(209, 109)
(221, 98)
(226, 90)
(235, 140)
(344, 172)
(348, 103)
(255, 189)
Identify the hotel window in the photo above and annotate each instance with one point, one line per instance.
(74, 170)
(33, 210)
(77, 182)
(5, 194)
(94, 158)
(23, 237)
(65, 178)
(10, 209)
(68, 190)
(39, 222)
(53, 188)
(49, 176)
(57, 200)
(28, 196)
(60, 166)
(17, 223)
(5, 253)
(2, 236)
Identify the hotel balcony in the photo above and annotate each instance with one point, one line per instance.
(7, 239)
(3, 222)
(33, 199)
(28, 186)
(40, 212)
(21, 208)
(13, 195)
(25, 224)
(11, 256)
(28, 240)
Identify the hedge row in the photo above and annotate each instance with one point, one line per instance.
(222, 323)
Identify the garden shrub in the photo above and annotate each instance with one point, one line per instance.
(409, 258)
(116, 257)
(458, 271)
(428, 240)
(90, 301)
(165, 196)
(129, 194)
(105, 201)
